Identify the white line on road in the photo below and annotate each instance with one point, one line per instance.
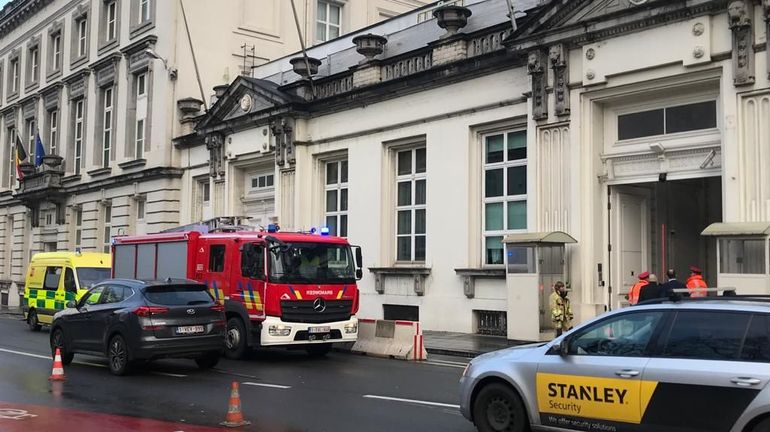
(90, 364)
(412, 401)
(249, 383)
(168, 374)
(26, 354)
(453, 365)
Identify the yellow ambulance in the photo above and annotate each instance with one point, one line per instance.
(54, 278)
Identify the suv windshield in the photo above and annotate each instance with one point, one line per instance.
(312, 263)
(88, 276)
(179, 295)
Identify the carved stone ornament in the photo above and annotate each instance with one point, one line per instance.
(766, 7)
(536, 67)
(740, 13)
(215, 144)
(557, 57)
(283, 131)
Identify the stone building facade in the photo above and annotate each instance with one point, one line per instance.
(631, 126)
(107, 84)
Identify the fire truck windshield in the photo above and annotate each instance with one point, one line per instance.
(317, 263)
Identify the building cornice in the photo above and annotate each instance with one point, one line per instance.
(18, 11)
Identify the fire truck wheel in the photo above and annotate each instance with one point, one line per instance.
(319, 350)
(763, 426)
(235, 340)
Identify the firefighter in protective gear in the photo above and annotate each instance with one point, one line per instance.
(633, 294)
(695, 283)
(561, 311)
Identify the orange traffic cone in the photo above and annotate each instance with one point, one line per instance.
(234, 415)
(57, 374)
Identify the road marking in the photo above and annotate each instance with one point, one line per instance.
(90, 364)
(452, 365)
(412, 401)
(26, 354)
(447, 362)
(15, 414)
(224, 372)
(266, 385)
(168, 374)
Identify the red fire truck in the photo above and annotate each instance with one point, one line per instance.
(278, 288)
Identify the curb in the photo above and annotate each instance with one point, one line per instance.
(453, 353)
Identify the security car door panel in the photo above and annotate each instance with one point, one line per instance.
(598, 384)
(103, 315)
(82, 322)
(706, 371)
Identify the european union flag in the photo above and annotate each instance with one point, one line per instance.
(39, 150)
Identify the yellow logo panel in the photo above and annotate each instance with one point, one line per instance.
(613, 399)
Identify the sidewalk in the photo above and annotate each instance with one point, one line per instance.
(11, 311)
(465, 345)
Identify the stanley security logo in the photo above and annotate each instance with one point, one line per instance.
(611, 399)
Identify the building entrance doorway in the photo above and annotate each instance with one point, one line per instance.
(656, 226)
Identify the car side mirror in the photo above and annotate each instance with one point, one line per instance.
(359, 274)
(562, 347)
(70, 304)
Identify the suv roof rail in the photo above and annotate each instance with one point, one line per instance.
(677, 298)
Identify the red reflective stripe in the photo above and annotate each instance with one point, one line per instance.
(404, 323)
(366, 320)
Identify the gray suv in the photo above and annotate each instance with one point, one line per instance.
(687, 365)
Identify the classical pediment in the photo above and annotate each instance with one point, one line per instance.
(246, 97)
(569, 19)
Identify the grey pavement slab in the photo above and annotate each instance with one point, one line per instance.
(465, 345)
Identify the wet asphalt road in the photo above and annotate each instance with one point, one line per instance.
(280, 390)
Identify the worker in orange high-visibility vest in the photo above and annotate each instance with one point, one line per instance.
(633, 294)
(695, 283)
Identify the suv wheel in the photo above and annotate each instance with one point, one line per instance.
(235, 339)
(763, 426)
(57, 341)
(208, 360)
(32, 321)
(117, 355)
(499, 409)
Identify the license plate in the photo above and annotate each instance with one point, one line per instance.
(316, 330)
(189, 329)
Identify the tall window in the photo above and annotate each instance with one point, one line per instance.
(78, 227)
(53, 130)
(82, 37)
(107, 227)
(144, 10)
(328, 21)
(15, 75)
(34, 64)
(141, 114)
(11, 157)
(410, 204)
(111, 20)
(56, 48)
(107, 127)
(140, 208)
(31, 140)
(505, 190)
(79, 107)
(337, 197)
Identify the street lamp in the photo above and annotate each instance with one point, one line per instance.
(171, 70)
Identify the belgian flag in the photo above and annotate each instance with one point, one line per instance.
(21, 156)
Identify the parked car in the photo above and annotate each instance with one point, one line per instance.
(132, 321)
(686, 365)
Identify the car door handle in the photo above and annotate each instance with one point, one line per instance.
(627, 373)
(745, 381)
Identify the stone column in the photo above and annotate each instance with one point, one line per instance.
(740, 13)
(766, 7)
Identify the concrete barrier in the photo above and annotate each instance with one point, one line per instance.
(394, 339)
